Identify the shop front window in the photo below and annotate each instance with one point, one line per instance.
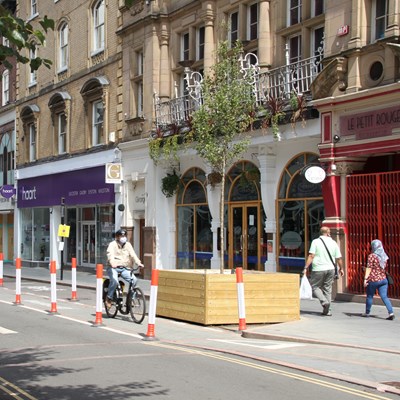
(72, 239)
(194, 236)
(35, 243)
(300, 213)
(105, 230)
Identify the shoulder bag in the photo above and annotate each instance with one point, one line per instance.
(334, 265)
(389, 278)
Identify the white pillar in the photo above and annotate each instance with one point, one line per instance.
(268, 186)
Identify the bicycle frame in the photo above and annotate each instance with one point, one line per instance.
(134, 302)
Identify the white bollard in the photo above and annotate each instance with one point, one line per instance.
(153, 305)
(99, 295)
(53, 287)
(241, 303)
(73, 280)
(1, 268)
(17, 281)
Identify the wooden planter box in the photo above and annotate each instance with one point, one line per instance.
(209, 298)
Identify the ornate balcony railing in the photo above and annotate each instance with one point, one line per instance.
(282, 82)
(273, 84)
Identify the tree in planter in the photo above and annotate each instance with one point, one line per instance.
(219, 126)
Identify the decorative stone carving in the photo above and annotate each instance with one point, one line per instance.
(333, 74)
(137, 7)
(348, 167)
(98, 58)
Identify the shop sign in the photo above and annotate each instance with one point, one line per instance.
(84, 186)
(7, 191)
(343, 30)
(113, 173)
(63, 230)
(139, 197)
(315, 174)
(371, 124)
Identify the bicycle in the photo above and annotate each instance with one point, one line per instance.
(134, 303)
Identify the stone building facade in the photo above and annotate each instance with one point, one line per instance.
(339, 60)
(69, 119)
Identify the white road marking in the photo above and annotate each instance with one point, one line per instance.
(260, 344)
(5, 331)
(42, 288)
(120, 332)
(46, 304)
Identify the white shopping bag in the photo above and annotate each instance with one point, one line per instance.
(305, 289)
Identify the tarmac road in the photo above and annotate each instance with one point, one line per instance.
(345, 346)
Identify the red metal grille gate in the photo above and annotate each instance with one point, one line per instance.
(373, 212)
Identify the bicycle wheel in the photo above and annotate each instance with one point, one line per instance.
(110, 311)
(137, 305)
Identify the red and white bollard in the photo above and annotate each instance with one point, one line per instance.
(73, 280)
(17, 281)
(1, 268)
(152, 306)
(241, 304)
(53, 286)
(99, 295)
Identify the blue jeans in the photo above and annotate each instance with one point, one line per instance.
(113, 275)
(382, 287)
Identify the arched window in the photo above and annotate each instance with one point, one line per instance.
(243, 182)
(59, 105)
(95, 96)
(194, 236)
(300, 213)
(30, 119)
(7, 153)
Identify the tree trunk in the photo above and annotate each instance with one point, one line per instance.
(222, 221)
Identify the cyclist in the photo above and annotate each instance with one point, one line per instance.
(121, 256)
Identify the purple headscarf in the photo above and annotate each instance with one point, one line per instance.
(377, 248)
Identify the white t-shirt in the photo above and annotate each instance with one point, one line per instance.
(321, 261)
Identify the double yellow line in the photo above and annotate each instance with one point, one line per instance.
(14, 391)
(314, 381)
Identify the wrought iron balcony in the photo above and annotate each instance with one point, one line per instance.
(272, 85)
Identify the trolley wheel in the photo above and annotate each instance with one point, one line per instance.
(110, 311)
(137, 305)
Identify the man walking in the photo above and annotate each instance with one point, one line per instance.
(323, 251)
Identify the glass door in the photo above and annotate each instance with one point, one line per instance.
(245, 237)
(88, 243)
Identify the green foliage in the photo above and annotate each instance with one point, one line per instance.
(165, 148)
(22, 36)
(170, 184)
(220, 125)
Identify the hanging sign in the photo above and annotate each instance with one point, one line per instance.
(315, 174)
(7, 191)
(63, 230)
(113, 173)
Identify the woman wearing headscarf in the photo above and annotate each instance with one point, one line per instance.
(375, 278)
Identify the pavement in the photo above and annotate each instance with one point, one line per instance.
(345, 329)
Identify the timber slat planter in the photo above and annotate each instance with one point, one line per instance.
(209, 298)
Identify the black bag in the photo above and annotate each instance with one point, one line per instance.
(389, 278)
